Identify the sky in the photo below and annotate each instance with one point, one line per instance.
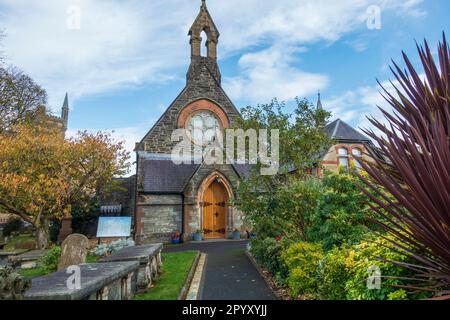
(123, 62)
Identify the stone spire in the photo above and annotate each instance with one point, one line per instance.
(319, 102)
(65, 112)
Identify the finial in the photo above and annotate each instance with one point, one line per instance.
(203, 4)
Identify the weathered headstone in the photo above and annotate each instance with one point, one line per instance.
(73, 251)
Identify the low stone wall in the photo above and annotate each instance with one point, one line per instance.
(148, 257)
(98, 281)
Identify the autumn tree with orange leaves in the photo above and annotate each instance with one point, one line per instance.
(42, 174)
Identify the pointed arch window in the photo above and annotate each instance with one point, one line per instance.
(203, 44)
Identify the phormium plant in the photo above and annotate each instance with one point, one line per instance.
(410, 184)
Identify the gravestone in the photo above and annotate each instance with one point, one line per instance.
(73, 251)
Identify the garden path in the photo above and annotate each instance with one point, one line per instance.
(228, 274)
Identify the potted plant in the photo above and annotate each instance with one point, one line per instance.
(198, 235)
(176, 238)
(236, 234)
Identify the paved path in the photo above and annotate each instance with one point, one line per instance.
(229, 274)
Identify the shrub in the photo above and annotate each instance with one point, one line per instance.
(268, 253)
(341, 217)
(333, 275)
(50, 261)
(13, 225)
(379, 253)
(297, 202)
(109, 248)
(302, 260)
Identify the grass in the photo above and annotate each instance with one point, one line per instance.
(92, 259)
(40, 271)
(11, 245)
(176, 268)
(32, 273)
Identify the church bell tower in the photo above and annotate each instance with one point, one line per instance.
(204, 23)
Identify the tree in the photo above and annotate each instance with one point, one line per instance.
(42, 175)
(415, 144)
(21, 99)
(302, 142)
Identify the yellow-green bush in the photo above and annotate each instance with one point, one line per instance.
(344, 271)
(302, 260)
(333, 275)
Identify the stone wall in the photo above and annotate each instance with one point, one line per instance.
(158, 217)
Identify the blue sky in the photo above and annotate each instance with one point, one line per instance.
(128, 59)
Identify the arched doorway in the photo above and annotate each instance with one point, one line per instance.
(215, 210)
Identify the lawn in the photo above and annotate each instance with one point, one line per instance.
(21, 238)
(32, 273)
(174, 274)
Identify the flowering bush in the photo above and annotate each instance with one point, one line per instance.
(109, 248)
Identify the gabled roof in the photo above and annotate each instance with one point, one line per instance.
(341, 131)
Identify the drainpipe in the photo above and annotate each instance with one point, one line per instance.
(182, 217)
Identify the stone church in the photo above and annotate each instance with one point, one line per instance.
(189, 197)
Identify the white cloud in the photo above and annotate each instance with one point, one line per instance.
(267, 74)
(355, 106)
(135, 42)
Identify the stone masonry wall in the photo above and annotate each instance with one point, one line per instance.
(201, 84)
(158, 217)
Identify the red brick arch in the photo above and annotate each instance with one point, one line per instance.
(203, 104)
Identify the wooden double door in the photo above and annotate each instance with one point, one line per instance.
(215, 204)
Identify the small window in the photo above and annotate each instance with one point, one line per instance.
(343, 158)
(343, 152)
(357, 152)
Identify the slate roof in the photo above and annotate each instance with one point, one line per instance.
(164, 176)
(342, 131)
